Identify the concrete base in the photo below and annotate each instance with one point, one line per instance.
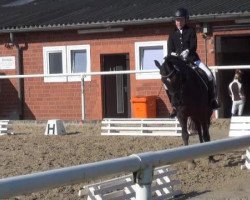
(55, 127)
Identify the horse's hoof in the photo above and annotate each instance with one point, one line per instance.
(211, 160)
(191, 165)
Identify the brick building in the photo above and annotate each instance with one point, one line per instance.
(65, 36)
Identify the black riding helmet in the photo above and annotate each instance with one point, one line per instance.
(181, 13)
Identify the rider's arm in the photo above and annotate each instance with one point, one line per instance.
(193, 41)
(171, 47)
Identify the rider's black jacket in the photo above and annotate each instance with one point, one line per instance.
(179, 42)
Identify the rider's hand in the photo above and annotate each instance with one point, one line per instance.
(173, 54)
(184, 54)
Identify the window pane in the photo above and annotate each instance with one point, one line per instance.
(78, 61)
(148, 55)
(55, 63)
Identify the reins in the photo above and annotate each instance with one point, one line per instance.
(170, 74)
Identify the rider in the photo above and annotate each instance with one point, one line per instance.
(183, 42)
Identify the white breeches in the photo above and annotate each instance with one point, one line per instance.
(205, 69)
(238, 106)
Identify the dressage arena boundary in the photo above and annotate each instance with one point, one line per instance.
(141, 127)
(142, 164)
(246, 157)
(5, 128)
(240, 126)
(123, 188)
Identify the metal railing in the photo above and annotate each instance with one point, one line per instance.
(142, 164)
(102, 73)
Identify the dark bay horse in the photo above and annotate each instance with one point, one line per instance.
(189, 95)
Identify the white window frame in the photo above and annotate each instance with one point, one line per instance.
(139, 45)
(66, 62)
(69, 67)
(54, 49)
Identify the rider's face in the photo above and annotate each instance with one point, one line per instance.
(180, 22)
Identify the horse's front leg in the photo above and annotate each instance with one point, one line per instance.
(184, 132)
(206, 138)
(185, 137)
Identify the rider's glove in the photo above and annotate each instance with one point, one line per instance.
(184, 54)
(173, 54)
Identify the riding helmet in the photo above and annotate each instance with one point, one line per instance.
(181, 13)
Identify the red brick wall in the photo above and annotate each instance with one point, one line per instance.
(8, 92)
(43, 101)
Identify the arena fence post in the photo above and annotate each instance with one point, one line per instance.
(144, 179)
(83, 97)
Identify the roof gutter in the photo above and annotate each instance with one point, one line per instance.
(109, 24)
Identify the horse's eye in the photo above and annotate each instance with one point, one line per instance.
(168, 80)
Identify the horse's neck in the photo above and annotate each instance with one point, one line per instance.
(193, 87)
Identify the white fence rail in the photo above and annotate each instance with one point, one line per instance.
(141, 127)
(142, 163)
(101, 73)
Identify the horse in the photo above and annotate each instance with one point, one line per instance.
(189, 95)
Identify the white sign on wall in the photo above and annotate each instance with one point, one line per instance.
(7, 62)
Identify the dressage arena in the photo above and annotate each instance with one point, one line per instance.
(29, 150)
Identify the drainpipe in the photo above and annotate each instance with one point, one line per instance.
(20, 82)
(205, 32)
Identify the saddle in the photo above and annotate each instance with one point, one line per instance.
(201, 74)
(204, 79)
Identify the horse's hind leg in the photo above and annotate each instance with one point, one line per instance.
(198, 128)
(206, 138)
(205, 132)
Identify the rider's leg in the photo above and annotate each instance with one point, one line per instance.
(205, 69)
(211, 79)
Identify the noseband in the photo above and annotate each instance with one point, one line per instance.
(171, 74)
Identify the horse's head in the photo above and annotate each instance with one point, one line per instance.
(170, 75)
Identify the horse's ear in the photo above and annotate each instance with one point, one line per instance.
(157, 64)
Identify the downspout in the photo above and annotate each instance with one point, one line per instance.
(20, 82)
(205, 32)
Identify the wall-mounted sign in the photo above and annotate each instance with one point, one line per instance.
(7, 62)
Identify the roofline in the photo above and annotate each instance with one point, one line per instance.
(119, 23)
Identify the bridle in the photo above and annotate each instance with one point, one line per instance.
(170, 75)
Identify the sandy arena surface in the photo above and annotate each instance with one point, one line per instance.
(29, 150)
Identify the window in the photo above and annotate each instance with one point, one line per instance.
(54, 63)
(145, 54)
(78, 61)
(66, 60)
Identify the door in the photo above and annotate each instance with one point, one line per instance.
(116, 87)
(232, 50)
